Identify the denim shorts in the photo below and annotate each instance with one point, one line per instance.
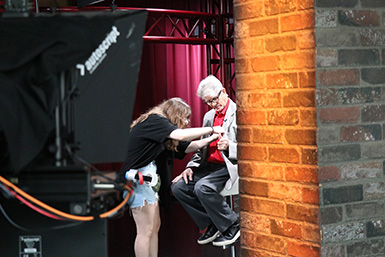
(143, 194)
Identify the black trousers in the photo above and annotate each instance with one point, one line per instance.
(202, 200)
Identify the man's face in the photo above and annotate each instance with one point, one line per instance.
(219, 102)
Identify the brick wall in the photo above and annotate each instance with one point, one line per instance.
(311, 114)
(350, 79)
(275, 73)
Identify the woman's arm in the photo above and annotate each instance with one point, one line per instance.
(198, 144)
(192, 133)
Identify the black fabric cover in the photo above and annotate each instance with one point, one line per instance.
(33, 53)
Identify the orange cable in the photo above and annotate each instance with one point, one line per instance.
(58, 212)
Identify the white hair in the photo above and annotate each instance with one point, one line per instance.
(209, 87)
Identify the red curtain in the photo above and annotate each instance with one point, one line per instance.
(166, 71)
(170, 70)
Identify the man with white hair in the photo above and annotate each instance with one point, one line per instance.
(212, 169)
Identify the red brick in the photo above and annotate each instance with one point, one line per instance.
(265, 63)
(250, 81)
(249, 47)
(329, 173)
(283, 154)
(249, 239)
(245, 167)
(305, 4)
(247, 152)
(268, 136)
(241, 30)
(252, 169)
(308, 117)
(339, 115)
(244, 134)
(264, 27)
(266, 99)
(304, 59)
(311, 233)
(248, 10)
(301, 136)
(275, 244)
(285, 191)
(363, 18)
(307, 79)
(281, 43)
(273, 208)
(284, 228)
(265, 171)
(251, 187)
(273, 7)
(306, 39)
(309, 156)
(283, 117)
(273, 99)
(298, 21)
(360, 133)
(338, 77)
(247, 252)
(243, 100)
(302, 174)
(247, 203)
(303, 213)
(254, 222)
(251, 117)
(242, 65)
(310, 195)
(298, 249)
(299, 99)
(282, 80)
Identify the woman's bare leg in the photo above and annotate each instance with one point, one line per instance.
(147, 222)
(154, 239)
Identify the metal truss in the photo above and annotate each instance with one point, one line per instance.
(182, 27)
(214, 28)
(210, 29)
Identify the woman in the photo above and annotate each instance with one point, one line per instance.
(163, 127)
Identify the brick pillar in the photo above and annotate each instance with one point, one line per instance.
(311, 164)
(275, 74)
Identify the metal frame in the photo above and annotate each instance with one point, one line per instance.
(214, 28)
(186, 27)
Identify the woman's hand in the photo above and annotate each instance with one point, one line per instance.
(218, 130)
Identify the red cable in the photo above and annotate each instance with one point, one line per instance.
(33, 207)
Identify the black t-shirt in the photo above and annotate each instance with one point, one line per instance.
(146, 142)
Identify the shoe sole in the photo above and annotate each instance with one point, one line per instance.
(208, 240)
(228, 242)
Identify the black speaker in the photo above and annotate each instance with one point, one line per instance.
(26, 233)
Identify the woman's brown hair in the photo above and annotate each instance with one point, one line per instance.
(173, 109)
